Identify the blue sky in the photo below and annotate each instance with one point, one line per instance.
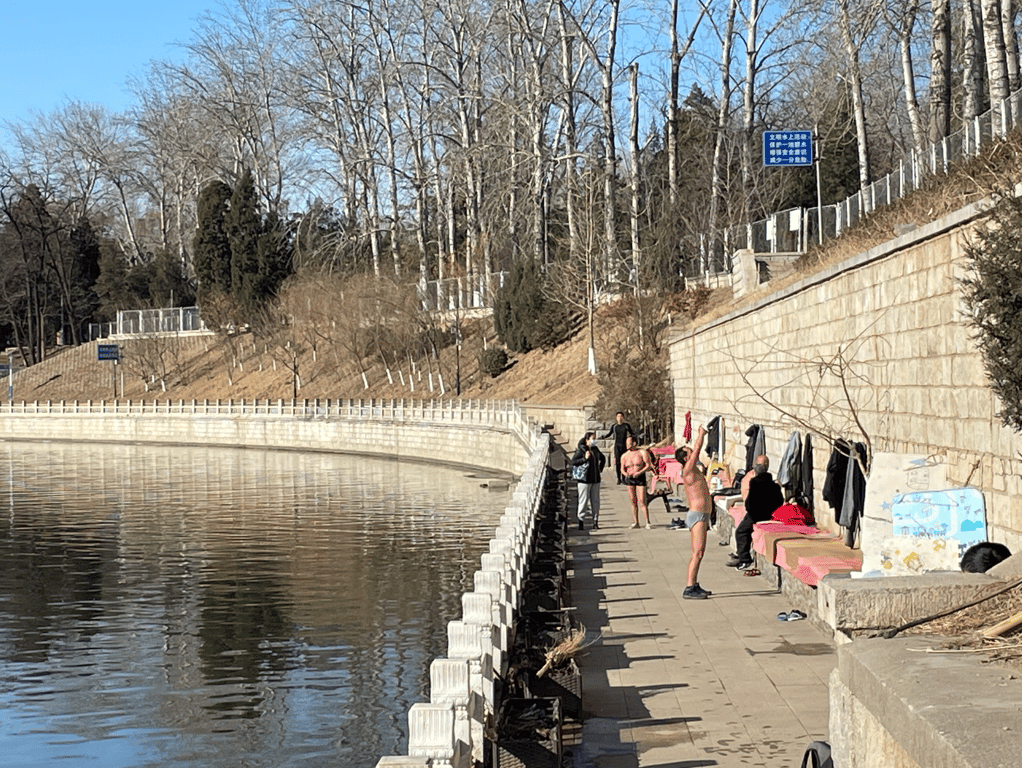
(52, 50)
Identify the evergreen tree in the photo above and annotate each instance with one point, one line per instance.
(993, 296)
(273, 255)
(244, 228)
(523, 317)
(166, 283)
(211, 246)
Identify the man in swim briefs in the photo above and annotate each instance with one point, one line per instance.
(698, 518)
(634, 466)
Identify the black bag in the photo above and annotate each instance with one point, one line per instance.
(817, 756)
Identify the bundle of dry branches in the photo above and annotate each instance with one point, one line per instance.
(570, 647)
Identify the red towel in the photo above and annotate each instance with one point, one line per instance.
(793, 514)
(687, 432)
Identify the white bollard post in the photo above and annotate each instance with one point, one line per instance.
(463, 642)
(449, 685)
(477, 611)
(492, 582)
(431, 733)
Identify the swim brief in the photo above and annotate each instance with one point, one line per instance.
(697, 517)
(637, 480)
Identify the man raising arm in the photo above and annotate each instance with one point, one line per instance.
(698, 518)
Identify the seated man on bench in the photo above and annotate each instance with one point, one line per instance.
(762, 497)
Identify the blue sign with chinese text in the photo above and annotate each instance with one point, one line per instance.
(787, 147)
(107, 352)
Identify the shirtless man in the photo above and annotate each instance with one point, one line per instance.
(698, 518)
(634, 466)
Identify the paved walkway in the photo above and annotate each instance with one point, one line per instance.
(676, 683)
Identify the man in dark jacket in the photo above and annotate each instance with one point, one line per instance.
(762, 497)
(620, 432)
(587, 467)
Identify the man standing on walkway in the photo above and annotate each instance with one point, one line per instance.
(588, 463)
(762, 497)
(619, 431)
(698, 517)
(634, 466)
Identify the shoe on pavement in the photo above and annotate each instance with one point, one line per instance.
(744, 565)
(734, 561)
(648, 526)
(581, 525)
(695, 592)
(634, 525)
(796, 615)
(595, 525)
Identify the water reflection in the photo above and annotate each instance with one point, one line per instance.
(210, 607)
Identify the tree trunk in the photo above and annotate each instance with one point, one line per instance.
(940, 70)
(972, 78)
(633, 136)
(1009, 14)
(672, 118)
(905, 27)
(609, 143)
(723, 113)
(749, 110)
(858, 105)
(993, 40)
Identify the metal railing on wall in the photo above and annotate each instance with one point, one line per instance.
(140, 322)
(795, 229)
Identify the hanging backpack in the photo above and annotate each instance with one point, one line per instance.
(817, 756)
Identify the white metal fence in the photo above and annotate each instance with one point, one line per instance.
(793, 230)
(135, 322)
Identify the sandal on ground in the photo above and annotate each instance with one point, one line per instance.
(752, 572)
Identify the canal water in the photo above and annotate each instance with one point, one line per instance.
(171, 606)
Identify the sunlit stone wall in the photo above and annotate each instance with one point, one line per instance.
(876, 346)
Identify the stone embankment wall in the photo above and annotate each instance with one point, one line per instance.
(874, 347)
(490, 435)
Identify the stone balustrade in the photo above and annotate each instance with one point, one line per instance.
(449, 731)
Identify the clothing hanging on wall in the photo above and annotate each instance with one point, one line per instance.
(756, 446)
(686, 433)
(789, 471)
(853, 502)
(834, 484)
(807, 475)
(715, 436)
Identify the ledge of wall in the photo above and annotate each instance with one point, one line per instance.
(893, 704)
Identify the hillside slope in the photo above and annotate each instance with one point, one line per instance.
(208, 367)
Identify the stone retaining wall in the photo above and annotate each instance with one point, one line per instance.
(888, 326)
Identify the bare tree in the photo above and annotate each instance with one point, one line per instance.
(902, 21)
(852, 42)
